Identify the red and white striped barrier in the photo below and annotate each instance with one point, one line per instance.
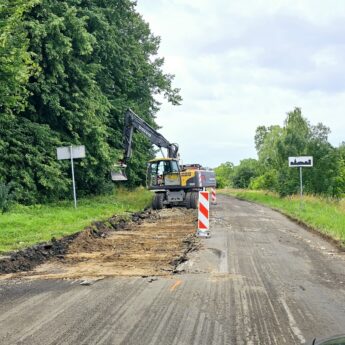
(213, 196)
(203, 215)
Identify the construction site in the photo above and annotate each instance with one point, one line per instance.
(150, 243)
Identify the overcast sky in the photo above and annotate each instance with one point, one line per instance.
(241, 64)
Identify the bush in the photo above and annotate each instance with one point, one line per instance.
(6, 197)
(244, 173)
(267, 181)
(224, 174)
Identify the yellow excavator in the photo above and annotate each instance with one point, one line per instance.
(172, 183)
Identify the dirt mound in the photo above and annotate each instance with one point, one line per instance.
(148, 243)
(26, 260)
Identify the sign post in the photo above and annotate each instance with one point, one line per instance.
(300, 162)
(71, 152)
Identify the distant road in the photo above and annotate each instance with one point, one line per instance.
(260, 279)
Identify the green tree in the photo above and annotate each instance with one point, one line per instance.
(297, 138)
(245, 172)
(65, 95)
(338, 179)
(293, 142)
(321, 178)
(224, 174)
(131, 74)
(23, 143)
(268, 154)
(16, 65)
(69, 70)
(266, 181)
(6, 197)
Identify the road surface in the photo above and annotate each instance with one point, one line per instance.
(260, 279)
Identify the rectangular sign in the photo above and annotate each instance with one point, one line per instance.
(65, 152)
(303, 161)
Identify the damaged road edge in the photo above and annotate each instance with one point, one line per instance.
(27, 259)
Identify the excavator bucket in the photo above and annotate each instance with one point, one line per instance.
(118, 173)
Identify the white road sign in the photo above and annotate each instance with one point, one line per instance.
(303, 161)
(71, 152)
(65, 152)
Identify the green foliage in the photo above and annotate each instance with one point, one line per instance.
(224, 174)
(27, 225)
(245, 172)
(27, 152)
(267, 140)
(274, 144)
(298, 138)
(16, 65)
(6, 197)
(267, 181)
(69, 69)
(65, 95)
(338, 181)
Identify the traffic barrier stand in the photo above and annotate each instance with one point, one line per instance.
(213, 196)
(204, 215)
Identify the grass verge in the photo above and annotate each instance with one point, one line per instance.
(327, 216)
(27, 225)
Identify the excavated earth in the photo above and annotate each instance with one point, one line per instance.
(148, 244)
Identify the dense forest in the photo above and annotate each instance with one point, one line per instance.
(274, 144)
(69, 69)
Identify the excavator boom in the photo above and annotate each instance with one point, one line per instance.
(133, 121)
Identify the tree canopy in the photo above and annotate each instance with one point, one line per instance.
(69, 69)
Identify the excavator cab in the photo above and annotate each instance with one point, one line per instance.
(162, 173)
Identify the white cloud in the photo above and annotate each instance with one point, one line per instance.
(241, 64)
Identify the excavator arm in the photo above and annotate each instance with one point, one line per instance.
(133, 121)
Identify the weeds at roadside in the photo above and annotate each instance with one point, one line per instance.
(27, 225)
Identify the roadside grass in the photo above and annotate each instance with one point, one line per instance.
(26, 225)
(325, 215)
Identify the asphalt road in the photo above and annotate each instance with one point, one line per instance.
(260, 279)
